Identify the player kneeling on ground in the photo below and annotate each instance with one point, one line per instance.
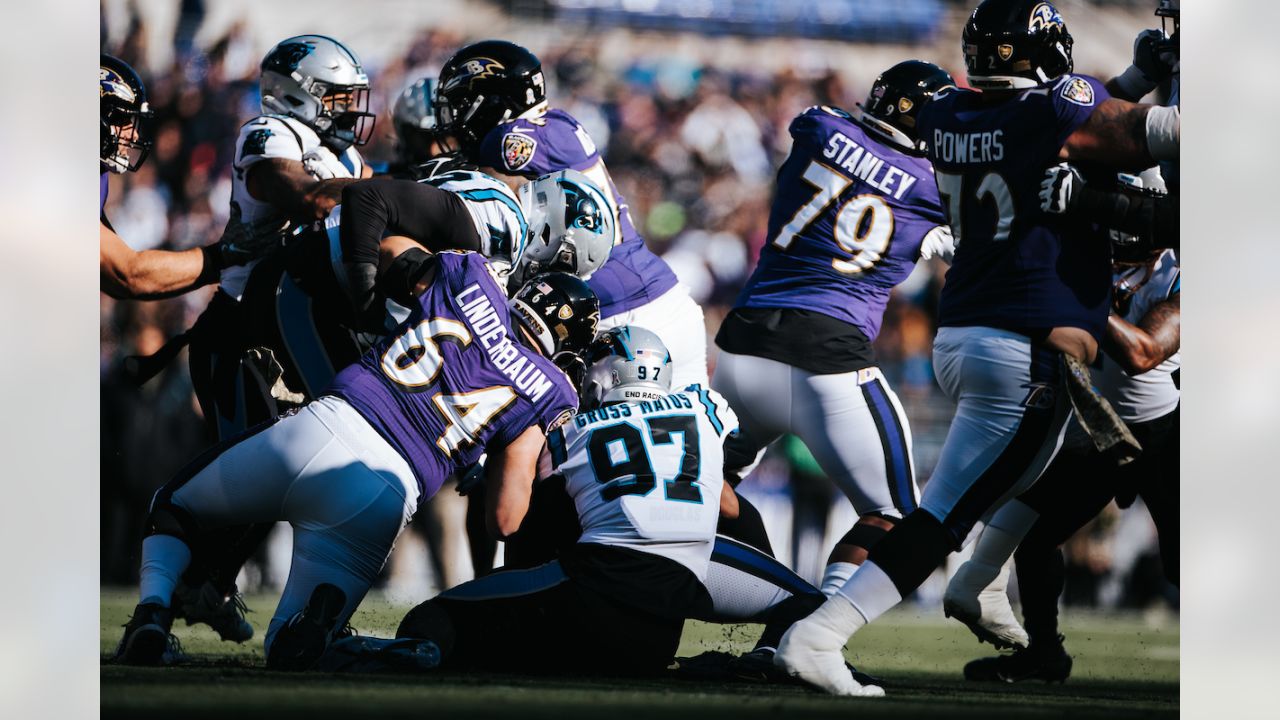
(644, 472)
(463, 375)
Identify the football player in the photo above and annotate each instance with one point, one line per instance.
(855, 208)
(465, 373)
(1138, 374)
(125, 142)
(1020, 295)
(492, 100)
(643, 469)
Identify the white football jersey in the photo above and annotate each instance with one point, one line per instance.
(495, 211)
(647, 475)
(1153, 394)
(278, 136)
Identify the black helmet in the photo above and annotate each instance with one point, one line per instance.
(484, 85)
(896, 98)
(1015, 44)
(124, 109)
(559, 310)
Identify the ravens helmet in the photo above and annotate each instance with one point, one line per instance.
(125, 116)
(559, 311)
(626, 364)
(484, 85)
(895, 100)
(320, 82)
(1016, 44)
(571, 226)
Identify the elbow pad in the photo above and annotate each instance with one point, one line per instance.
(1163, 124)
(403, 275)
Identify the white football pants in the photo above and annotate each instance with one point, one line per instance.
(851, 422)
(678, 321)
(1011, 413)
(345, 490)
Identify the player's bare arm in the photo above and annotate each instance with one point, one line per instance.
(1142, 347)
(287, 185)
(152, 274)
(1125, 135)
(509, 482)
(728, 503)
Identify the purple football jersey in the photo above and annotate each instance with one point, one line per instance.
(454, 379)
(102, 194)
(532, 147)
(848, 216)
(1014, 267)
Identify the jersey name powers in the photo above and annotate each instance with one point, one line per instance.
(454, 378)
(1014, 268)
(848, 217)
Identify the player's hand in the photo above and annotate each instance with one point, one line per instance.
(471, 478)
(938, 243)
(1155, 55)
(1059, 189)
(322, 164)
(243, 242)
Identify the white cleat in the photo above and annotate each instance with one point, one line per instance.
(979, 599)
(803, 654)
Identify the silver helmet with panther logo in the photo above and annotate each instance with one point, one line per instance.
(571, 226)
(320, 82)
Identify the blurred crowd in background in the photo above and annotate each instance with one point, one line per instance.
(691, 145)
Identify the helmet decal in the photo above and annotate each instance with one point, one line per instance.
(1045, 16)
(111, 83)
(473, 70)
(286, 57)
(581, 210)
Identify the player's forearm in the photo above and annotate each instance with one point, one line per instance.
(152, 274)
(1115, 135)
(1134, 348)
(509, 483)
(321, 198)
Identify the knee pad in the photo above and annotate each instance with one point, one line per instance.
(167, 518)
(865, 535)
(430, 621)
(915, 547)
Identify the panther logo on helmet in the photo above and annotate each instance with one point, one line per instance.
(472, 70)
(582, 211)
(1044, 16)
(286, 57)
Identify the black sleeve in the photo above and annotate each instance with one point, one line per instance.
(374, 208)
(1151, 217)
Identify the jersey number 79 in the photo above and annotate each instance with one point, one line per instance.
(863, 224)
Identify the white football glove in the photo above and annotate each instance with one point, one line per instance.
(938, 243)
(1059, 187)
(322, 164)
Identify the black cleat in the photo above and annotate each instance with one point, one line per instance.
(224, 612)
(757, 666)
(147, 640)
(1048, 662)
(306, 636)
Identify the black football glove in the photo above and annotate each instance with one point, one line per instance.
(243, 242)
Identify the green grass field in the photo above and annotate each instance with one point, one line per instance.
(1124, 667)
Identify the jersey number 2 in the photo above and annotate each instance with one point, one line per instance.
(633, 473)
(863, 227)
(413, 361)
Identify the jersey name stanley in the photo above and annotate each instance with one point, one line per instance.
(455, 378)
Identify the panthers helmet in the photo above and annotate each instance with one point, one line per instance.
(320, 82)
(414, 118)
(571, 226)
(484, 85)
(896, 98)
(559, 311)
(1016, 44)
(125, 116)
(626, 364)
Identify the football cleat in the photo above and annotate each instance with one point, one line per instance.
(805, 655)
(758, 666)
(984, 608)
(206, 604)
(147, 640)
(307, 635)
(1049, 663)
(357, 654)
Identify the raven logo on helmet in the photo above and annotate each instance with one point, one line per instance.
(472, 70)
(517, 150)
(1044, 16)
(111, 83)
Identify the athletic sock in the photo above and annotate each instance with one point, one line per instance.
(830, 626)
(164, 558)
(871, 593)
(835, 576)
(1002, 535)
